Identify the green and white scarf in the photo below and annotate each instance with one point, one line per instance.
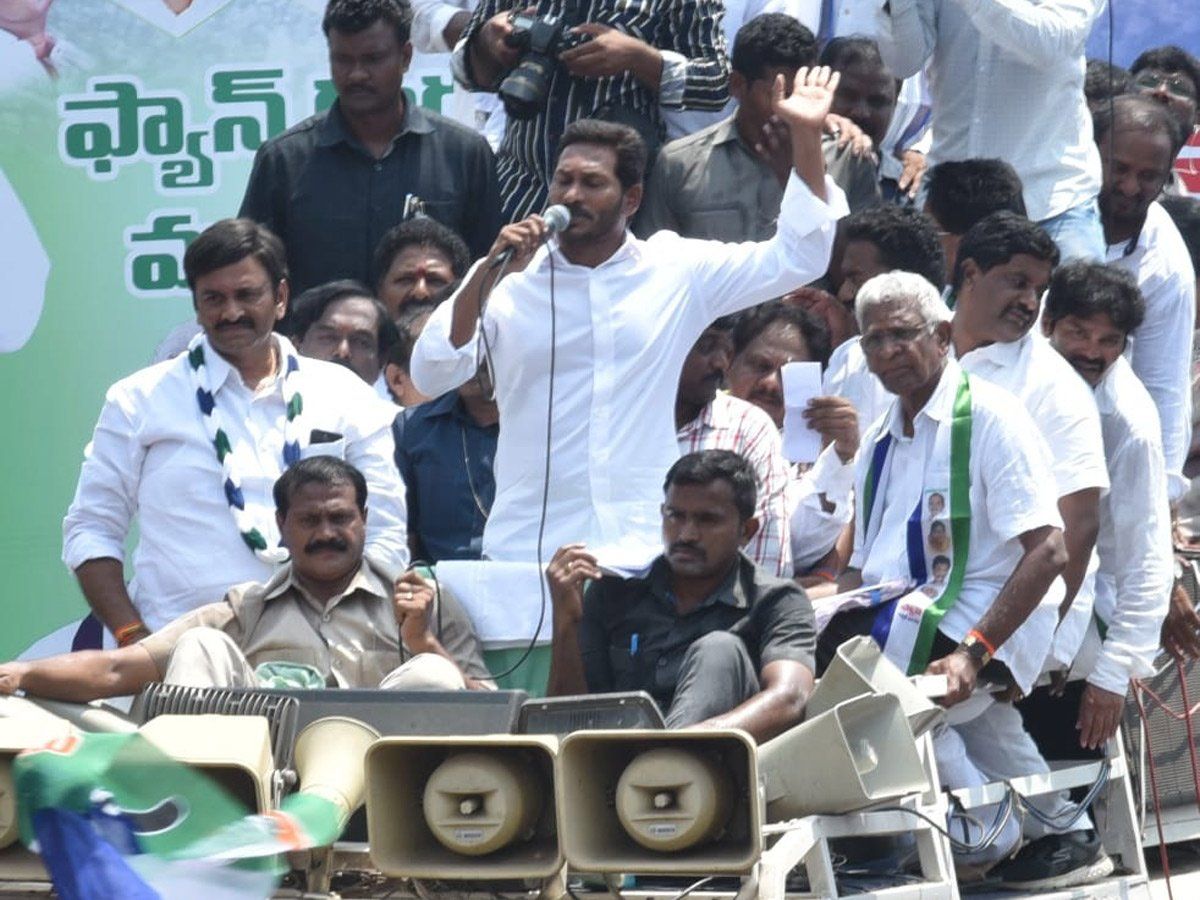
(938, 537)
(254, 523)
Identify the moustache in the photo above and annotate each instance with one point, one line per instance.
(686, 545)
(240, 323)
(318, 546)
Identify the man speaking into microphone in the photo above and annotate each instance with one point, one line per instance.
(587, 334)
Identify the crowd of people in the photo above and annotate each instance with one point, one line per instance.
(398, 361)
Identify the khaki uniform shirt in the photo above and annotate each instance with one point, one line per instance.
(352, 639)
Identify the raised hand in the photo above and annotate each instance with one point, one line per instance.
(810, 99)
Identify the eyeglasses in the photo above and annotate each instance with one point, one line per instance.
(875, 341)
(1176, 85)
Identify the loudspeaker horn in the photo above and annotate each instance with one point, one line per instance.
(234, 751)
(329, 756)
(463, 807)
(860, 753)
(659, 802)
(859, 667)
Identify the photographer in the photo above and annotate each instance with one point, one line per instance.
(621, 65)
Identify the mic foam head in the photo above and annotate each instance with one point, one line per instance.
(557, 218)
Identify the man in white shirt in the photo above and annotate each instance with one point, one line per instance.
(193, 445)
(588, 336)
(709, 419)
(1137, 138)
(1006, 77)
(955, 451)
(1004, 264)
(874, 241)
(1091, 310)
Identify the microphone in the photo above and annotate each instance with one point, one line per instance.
(556, 217)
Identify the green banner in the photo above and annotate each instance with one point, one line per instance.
(134, 132)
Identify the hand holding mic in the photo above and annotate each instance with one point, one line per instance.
(524, 234)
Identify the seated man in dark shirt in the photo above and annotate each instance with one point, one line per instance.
(712, 638)
(444, 451)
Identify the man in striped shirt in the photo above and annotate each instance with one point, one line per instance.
(708, 419)
(635, 59)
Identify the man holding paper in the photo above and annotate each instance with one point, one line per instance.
(714, 639)
(587, 335)
(957, 452)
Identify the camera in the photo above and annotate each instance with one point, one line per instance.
(540, 39)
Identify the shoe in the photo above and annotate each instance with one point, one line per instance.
(1056, 861)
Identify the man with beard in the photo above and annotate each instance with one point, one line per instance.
(711, 637)
(587, 335)
(340, 322)
(1091, 310)
(1137, 139)
(191, 447)
(328, 617)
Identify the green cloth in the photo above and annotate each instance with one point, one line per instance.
(531, 676)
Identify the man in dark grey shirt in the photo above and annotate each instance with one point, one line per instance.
(711, 637)
(332, 185)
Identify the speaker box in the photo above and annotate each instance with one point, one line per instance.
(860, 753)
(463, 807)
(659, 802)
(859, 667)
(234, 751)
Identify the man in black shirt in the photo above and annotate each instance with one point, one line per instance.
(332, 185)
(712, 638)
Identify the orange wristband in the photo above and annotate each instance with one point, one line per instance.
(128, 634)
(987, 645)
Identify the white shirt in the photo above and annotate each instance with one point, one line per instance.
(1134, 544)
(429, 20)
(622, 331)
(816, 527)
(1064, 410)
(1058, 400)
(1160, 351)
(1007, 81)
(1010, 495)
(847, 376)
(150, 457)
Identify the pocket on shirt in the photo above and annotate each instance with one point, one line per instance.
(624, 668)
(336, 449)
(715, 223)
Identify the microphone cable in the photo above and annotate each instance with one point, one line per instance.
(500, 272)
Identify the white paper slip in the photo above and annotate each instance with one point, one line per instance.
(503, 599)
(801, 382)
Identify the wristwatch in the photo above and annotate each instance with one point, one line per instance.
(976, 650)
